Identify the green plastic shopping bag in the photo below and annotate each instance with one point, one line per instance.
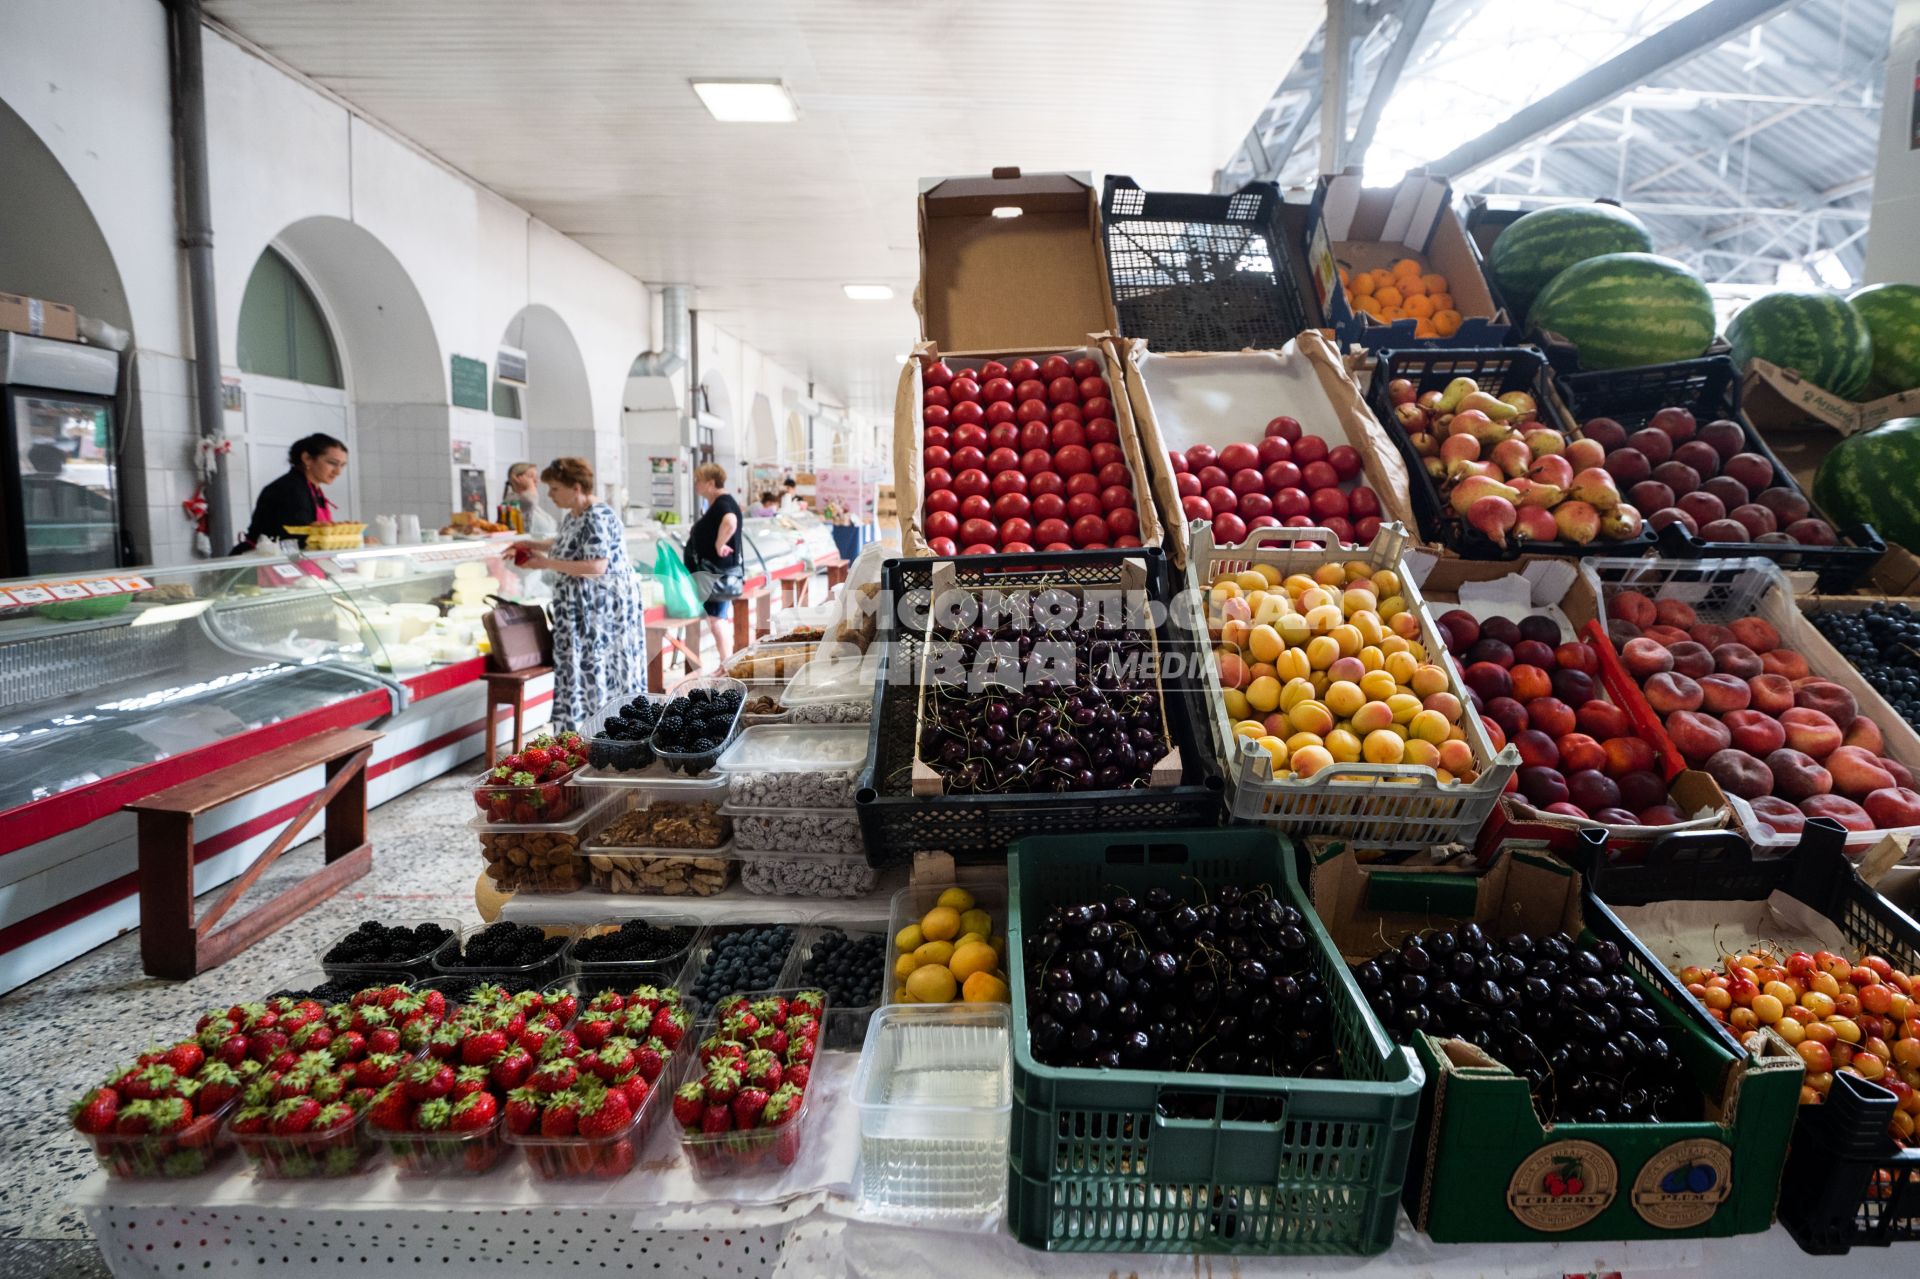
(676, 582)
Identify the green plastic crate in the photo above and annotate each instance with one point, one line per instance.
(1097, 1168)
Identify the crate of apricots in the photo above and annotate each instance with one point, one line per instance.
(1335, 707)
(949, 944)
(1404, 291)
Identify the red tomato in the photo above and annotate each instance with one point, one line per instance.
(1222, 499)
(1046, 482)
(1072, 459)
(943, 500)
(942, 546)
(1104, 453)
(1327, 503)
(1299, 521)
(936, 456)
(1063, 390)
(1274, 449)
(996, 388)
(1093, 388)
(1115, 473)
(981, 548)
(978, 532)
(1239, 457)
(1212, 477)
(1083, 504)
(1254, 505)
(1015, 528)
(1085, 482)
(1346, 460)
(969, 459)
(975, 506)
(1049, 531)
(1178, 460)
(1085, 366)
(998, 412)
(1089, 530)
(1366, 528)
(942, 524)
(1186, 484)
(1008, 506)
(1036, 435)
(1125, 540)
(1031, 411)
(1004, 435)
(1229, 529)
(970, 482)
(936, 417)
(937, 374)
(1009, 481)
(1363, 502)
(964, 390)
(935, 435)
(1339, 527)
(1022, 369)
(1048, 506)
(1068, 432)
(1055, 366)
(1030, 389)
(1195, 507)
(1016, 547)
(971, 374)
(1320, 475)
(1309, 448)
(969, 414)
(1286, 428)
(1002, 459)
(971, 433)
(1261, 521)
(1247, 480)
(936, 397)
(937, 479)
(1121, 521)
(1289, 503)
(1065, 413)
(1034, 461)
(992, 369)
(1113, 497)
(1102, 430)
(1051, 547)
(1282, 475)
(1098, 406)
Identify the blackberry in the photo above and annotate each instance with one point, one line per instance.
(376, 943)
(633, 942)
(508, 945)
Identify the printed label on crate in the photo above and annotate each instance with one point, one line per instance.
(1683, 1185)
(68, 591)
(1563, 1186)
(98, 586)
(31, 595)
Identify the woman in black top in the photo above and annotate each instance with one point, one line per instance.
(713, 546)
(298, 497)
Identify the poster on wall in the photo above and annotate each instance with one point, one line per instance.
(664, 492)
(848, 488)
(473, 490)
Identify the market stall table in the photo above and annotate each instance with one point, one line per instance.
(733, 905)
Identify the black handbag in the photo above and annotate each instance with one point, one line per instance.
(717, 581)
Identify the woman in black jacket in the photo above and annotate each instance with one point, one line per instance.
(299, 496)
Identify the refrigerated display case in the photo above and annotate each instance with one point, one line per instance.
(59, 481)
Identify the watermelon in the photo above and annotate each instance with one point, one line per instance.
(1853, 484)
(1892, 314)
(1817, 334)
(1626, 309)
(1539, 246)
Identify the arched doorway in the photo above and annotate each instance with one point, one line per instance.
(556, 407)
(332, 336)
(762, 446)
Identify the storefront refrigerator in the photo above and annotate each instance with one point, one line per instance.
(60, 504)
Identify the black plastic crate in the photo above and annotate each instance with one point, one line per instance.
(1846, 1183)
(896, 823)
(1201, 272)
(1709, 388)
(1511, 368)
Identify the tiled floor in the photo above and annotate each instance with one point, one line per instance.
(69, 1028)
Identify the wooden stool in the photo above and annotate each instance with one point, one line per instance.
(172, 944)
(509, 689)
(682, 634)
(752, 615)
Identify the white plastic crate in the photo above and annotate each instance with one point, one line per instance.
(1724, 590)
(1378, 805)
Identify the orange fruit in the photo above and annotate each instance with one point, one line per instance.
(1435, 283)
(1380, 278)
(1392, 313)
(1343, 274)
(1389, 296)
(1407, 266)
(1446, 323)
(1441, 301)
(1360, 287)
(1411, 286)
(1419, 306)
(1369, 304)
(1425, 329)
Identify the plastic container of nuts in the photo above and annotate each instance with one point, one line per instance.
(822, 830)
(800, 872)
(541, 857)
(682, 817)
(661, 872)
(794, 766)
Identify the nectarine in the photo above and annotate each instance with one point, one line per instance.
(1829, 697)
(1755, 732)
(1696, 735)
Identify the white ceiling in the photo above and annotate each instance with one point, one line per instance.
(581, 112)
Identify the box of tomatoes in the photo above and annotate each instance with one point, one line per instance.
(1260, 439)
(1014, 452)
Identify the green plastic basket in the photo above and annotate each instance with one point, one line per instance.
(1098, 1168)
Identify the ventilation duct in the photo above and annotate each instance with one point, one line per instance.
(676, 335)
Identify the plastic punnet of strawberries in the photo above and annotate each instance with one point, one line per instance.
(529, 786)
(744, 1098)
(580, 1103)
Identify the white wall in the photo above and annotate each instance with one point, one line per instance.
(1893, 249)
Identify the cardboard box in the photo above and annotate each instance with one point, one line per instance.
(908, 479)
(38, 317)
(1032, 282)
(1780, 399)
(1360, 229)
(1183, 398)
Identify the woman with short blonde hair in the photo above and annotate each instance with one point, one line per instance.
(713, 548)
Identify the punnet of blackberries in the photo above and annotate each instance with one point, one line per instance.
(694, 726)
(1564, 1015)
(507, 945)
(625, 740)
(635, 941)
(1883, 643)
(1220, 982)
(374, 943)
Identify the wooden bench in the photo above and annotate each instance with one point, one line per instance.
(752, 615)
(172, 943)
(682, 635)
(509, 689)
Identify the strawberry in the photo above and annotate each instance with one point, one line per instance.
(562, 1044)
(800, 1050)
(781, 1110)
(334, 1116)
(723, 1081)
(314, 1035)
(444, 1043)
(185, 1057)
(762, 1069)
(717, 1119)
(467, 1081)
(563, 1004)
(636, 1088)
(771, 1039)
(740, 1027)
(228, 1044)
(771, 1011)
(561, 1117)
(669, 1025)
(426, 1079)
(250, 1120)
(523, 1111)
(295, 1115)
(647, 997)
(803, 1026)
(811, 1002)
(534, 759)
(690, 1103)
(483, 1046)
(219, 1084)
(97, 1111)
(151, 1083)
(384, 1040)
(533, 1040)
(748, 1104)
(615, 1058)
(595, 1029)
(348, 1045)
(798, 1074)
(361, 1099)
(433, 1116)
(475, 1112)
(511, 1068)
(556, 1074)
(616, 1159)
(376, 1070)
(650, 1059)
(604, 1113)
(436, 1004)
(713, 1048)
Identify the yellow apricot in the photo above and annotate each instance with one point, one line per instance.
(1407, 624)
(1264, 694)
(1298, 584)
(1401, 665)
(1422, 752)
(1265, 645)
(1387, 582)
(1344, 698)
(1311, 717)
(1321, 652)
(1391, 606)
(1248, 580)
(1236, 702)
(1404, 707)
(1374, 715)
(1354, 600)
(1292, 664)
(1368, 623)
(1343, 746)
(1293, 628)
(1348, 638)
(1426, 678)
(1296, 691)
(1269, 572)
(1300, 741)
(1372, 658)
(1325, 617)
(1379, 685)
(1382, 747)
(1429, 726)
(1396, 644)
(1310, 759)
(1456, 756)
(1274, 747)
(1315, 597)
(1446, 704)
(1330, 574)
(1249, 729)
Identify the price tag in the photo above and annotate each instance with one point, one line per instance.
(102, 586)
(286, 571)
(6, 599)
(69, 591)
(133, 583)
(32, 595)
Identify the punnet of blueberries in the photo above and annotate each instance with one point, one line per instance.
(635, 941)
(1563, 1015)
(373, 943)
(507, 945)
(1883, 643)
(744, 961)
(695, 726)
(849, 969)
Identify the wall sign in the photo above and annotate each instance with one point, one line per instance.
(473, 491)
(510, 365)
(470, 384)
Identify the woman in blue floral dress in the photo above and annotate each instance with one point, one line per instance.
(599, 632)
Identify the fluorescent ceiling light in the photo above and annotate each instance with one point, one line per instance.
(747, 101)
(868, 292)
(1008, 211)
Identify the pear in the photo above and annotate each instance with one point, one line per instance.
(1494, 516)
(1492, 406)
(1544, 496)
(1480, 426)
(1474, 487)
(1434, 467)
(1462, 447)
(1621, 523)
(1595, 487)
(1551, 469)
(1411, 417)
(1578, 522)
(1523, 404)
(1424, 444)
(1535, 524)
(1512, 456)
(1544, 440)
(1457, 390)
